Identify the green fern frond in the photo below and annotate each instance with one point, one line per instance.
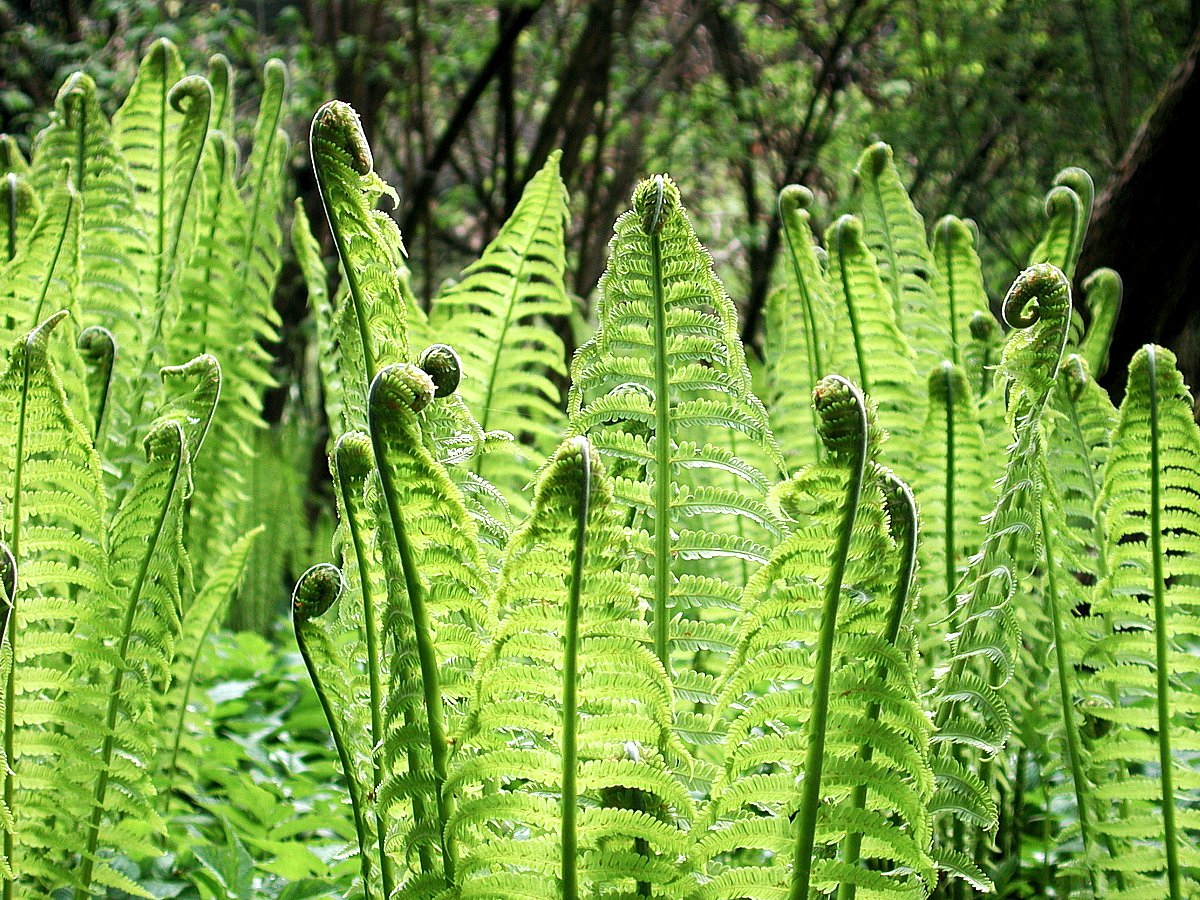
(372, 323)
(1148, 602)
(971, 716)
(80, 134)
(666, 370)
(895, 234)
(1102, 296)
(438, 583)
(496, 312)
(19, 210)
(799, 325)
(878, 355)
(1068, 208)
(961, 295)
(831, 608)
(52, 522)
(565, 764)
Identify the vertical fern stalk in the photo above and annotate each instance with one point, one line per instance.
(316, 591)
(570, 707)
(902, 511)
(393, 385)
(851, 438)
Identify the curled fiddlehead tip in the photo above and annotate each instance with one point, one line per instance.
(655, 200)
(794, 197)
(189, 91)
(1042, 289)
(843, 419)
(317, 590)
(1062, 200)
(97, 344)
(874, 160)
(402, 386)
(441, 363)
(8, 573)
(847, 231)
(900, 505)
(953, 230)
(1103, 283)
(1078, 180)
(569, 470)
(203, 369)
(1074, 372)
(274, 74)
(983, 326)
(946, 381)
(165, 440)
(338, 123)
(353, 455)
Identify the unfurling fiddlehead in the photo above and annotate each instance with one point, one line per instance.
(845, 431)
(316, 591)
(99, 350)
(441, 363)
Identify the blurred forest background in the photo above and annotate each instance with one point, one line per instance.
(983, 101)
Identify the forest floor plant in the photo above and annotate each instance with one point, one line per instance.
(719, 653)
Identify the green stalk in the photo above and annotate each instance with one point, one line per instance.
(806, 816)
(662, 446)
(299, 619)
(1074, 749)
(949, 550)
(72, 198)
(570, 709)
(118, 678)
(11, 182)
(816, 364)
(1161, 646)
(349, 495)
(907, 508)
(944, 233)
(423, 632)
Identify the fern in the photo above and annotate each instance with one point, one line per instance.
(799, 316)
(1148, 504)
(666, 367)
(19, 209)
(835, 591)
(972, 720)
(1102, 296)
(566, 761)
(497, 312)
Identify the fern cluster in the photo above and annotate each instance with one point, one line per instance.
(723, 650)
(127, 245)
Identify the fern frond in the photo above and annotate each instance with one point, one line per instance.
(895, 234)
(1068, 207)
(372, 323)
(665, 368)
(437, 585)
(496, 313)
(829, 608)
(19, 210)
(565, 765)
(971, 716)
(1149, 601)
(114, 244)
(1102, 296)
(799, 326)
(961, 295)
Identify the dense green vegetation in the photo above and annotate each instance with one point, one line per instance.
(901, 606)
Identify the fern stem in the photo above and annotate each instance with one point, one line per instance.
(570, 709)
(945, 233)
(949, 550)
(816, 364)
(370, 626)
(339, 744)
(662, 451)
(118, 676)
(423, 634)
(806, 816)
(852, 842)
(1161, 642)
(11, 183)
(11, 622)
(1067, 702)
(72, 198)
